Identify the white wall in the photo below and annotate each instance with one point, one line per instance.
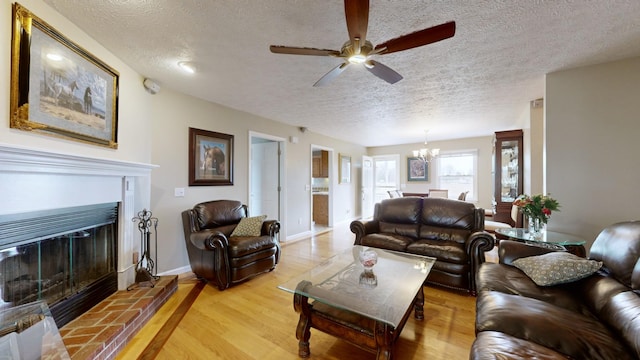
(484, 145)
(592, 149)
(534, 156)
(134, 121)
(174, 113)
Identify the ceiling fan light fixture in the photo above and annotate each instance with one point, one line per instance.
(357, 59)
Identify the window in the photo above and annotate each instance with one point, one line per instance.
(457, 172)
(386, 171)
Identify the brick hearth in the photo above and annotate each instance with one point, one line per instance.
(105, 329)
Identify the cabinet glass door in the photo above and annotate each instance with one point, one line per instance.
(509, 181)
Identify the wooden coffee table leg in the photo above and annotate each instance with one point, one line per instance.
(419, 304)
(384, 340)
(303, 330)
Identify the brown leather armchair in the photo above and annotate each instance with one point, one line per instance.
(217, 256)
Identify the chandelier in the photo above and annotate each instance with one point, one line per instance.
(425, 154)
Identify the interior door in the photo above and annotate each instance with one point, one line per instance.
(265, 178)
(270, 183)
(367, 189)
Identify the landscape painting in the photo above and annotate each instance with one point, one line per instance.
(58, 87)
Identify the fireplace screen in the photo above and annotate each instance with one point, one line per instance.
(57, 255)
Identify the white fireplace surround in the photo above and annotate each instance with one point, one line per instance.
(32, 180)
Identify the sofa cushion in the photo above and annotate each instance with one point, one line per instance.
(240, 246)
(405, 210)
(556, 268)
(249, 226)
(386, 241)
(447, 213)
(216, 213)
(511, 280)
(564, 331)
(431, 232)
(410, 230)
(615, 304)
(448, 251)
(492, 345)
(618, 246)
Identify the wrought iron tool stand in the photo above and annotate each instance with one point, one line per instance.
(145, 275)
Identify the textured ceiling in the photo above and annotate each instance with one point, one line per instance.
(473, 84)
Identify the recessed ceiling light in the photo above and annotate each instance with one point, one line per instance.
(187, 67)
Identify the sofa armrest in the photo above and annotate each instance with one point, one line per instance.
(209, 259)
(509, 250)
(209, 240)
(362, 228)
(270, 227)
(476, 245)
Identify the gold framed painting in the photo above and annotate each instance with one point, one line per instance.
(57, 87)
(210, 158)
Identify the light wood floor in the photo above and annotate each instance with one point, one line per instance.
(256, 320)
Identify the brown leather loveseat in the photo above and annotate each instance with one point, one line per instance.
(593, 317)
(451, 231)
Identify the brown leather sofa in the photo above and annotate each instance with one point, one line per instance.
(217, 256)
(597, 317)
(449, 230)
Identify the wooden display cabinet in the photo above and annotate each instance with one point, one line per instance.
(508, 173)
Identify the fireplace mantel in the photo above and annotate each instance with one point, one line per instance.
(34, 179)
(13, 158)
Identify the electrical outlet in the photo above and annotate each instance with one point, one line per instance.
(135, 257)
(179, 192)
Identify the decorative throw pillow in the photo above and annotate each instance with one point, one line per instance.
(249, 226)
(556, 268)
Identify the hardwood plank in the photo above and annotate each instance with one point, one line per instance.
(152, 349)
(256, 320)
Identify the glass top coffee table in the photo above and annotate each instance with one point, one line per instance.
(549, 239)
(367, 307)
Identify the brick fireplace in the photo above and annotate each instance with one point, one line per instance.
(41, 182)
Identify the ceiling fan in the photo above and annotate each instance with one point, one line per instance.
(359, 50)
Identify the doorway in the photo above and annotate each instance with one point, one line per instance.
(267, 177)
(321, 189)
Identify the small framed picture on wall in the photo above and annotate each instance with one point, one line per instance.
(417, 169)
(210, 158)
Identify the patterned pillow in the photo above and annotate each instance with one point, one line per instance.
(249, 226)
(556, 268)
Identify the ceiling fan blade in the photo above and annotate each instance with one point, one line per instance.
(357, 15)
(383, 72)
(419, 38)
(302, 51)
(331, 74)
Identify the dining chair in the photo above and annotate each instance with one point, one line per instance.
(439, 193)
